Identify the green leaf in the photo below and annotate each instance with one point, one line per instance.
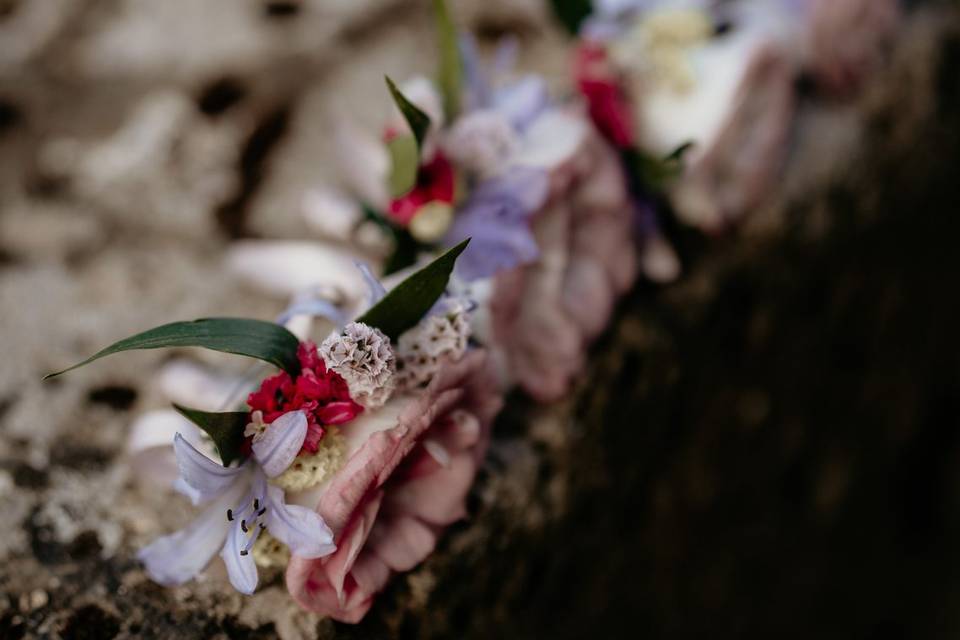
(253, 338)
(450, 68)
(404, 163)
(655, 173)
(404, 306)
(572, 13)
(225, 429)
(419, 121)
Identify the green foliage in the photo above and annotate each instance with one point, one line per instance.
(404, 306)
(243, 336)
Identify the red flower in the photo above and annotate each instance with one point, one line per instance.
(323, 395)
(606, 100)
(435, 181)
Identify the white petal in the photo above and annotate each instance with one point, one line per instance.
(281, 442)
(150, 449)
(289, 267)
(202, 478)
(178, 557)
(241, 569)
(300, 528)
(551, 140)
(364, 162)
(193, 385)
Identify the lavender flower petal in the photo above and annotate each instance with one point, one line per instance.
(280, 443)
(241, 568)
(522, 101)
(200, 477)
(374, 287)
(176, 558)
(301, 529)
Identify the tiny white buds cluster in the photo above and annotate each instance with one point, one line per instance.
(481, 142)
(420, 350)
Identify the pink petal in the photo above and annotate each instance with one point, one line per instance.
(402, 542)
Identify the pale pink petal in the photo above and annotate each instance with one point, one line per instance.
(372, 541)
(436, 498)
(402, 542)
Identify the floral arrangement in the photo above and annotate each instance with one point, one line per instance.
(714, 84)
(707, 83)
(481, 152)
(345, 465)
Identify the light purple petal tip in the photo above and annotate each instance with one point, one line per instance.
(178, 557)
(200, 477)
(301, 529)
(315, 308)
(376, 290)
(281, 442)
(241, 568)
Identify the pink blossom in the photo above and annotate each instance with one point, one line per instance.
(545, 314)
(848, 40)
(398, 489)
(731, 173)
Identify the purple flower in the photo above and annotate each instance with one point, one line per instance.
(496, 217)
(241, 504)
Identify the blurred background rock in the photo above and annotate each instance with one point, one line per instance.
(769, 446)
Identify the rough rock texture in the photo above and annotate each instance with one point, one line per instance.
(769, 446)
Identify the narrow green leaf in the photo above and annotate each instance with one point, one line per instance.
(404, 162)
(243, 336)
(677, 154)
(419, 121)
(225, 429)
(450, 68)
(404, 306)
(572, 13)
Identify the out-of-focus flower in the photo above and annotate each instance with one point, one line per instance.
(497, 219)
(431, 221)
(435, 181)
(241, 504)
(545, 313)
(409, 469)
(481, 142)
(438, 338)
(362, 355)
(606, 101)
(331, 214)
(849, 39)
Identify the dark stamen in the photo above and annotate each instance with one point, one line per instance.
(244, 552)
(256, 503)
(262, 526)
(261, 512)
(229, 515)
(243, 525)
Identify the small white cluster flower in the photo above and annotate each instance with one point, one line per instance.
(256, 426)
(481, 142)
(362, 355)
(420, 350)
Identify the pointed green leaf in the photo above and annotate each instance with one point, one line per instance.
(571, 13)
(243, 336)
(404, 162)
(404, 306)
(450, 69)
(225, 429)
(419, 121)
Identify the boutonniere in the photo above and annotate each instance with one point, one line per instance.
(391, 410)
